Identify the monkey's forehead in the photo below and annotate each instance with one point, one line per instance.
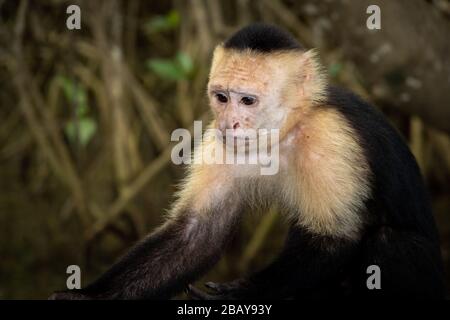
(233, 67)
(253, 59)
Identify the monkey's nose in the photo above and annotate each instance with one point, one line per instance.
(222, 126)
(236, 125)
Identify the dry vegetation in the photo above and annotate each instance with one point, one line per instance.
(87, 116)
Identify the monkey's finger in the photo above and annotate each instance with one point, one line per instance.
(216, 287)
(189, 292)
(197, 294)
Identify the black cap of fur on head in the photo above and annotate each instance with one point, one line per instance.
(263, 38)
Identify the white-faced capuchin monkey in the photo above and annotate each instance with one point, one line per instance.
(347, 183)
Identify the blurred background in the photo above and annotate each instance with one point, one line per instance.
(86, 117)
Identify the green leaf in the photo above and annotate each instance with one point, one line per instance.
(82, 110)
(163, 23)
(185, 62)
(67, 86)
(88, 127)
(75, 95)
(166, 69)
(86, 130)
(175, 69)
(335, 69)
(173, 18)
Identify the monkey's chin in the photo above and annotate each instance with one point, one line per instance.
(238, 140)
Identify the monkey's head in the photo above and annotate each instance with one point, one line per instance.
(262, 78)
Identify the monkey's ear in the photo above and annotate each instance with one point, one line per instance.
(218, 55)
(312, 76)
(309, 65)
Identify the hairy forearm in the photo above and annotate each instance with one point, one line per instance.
(149, 269)
(167, 260)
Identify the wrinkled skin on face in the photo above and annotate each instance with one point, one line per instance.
(245, 92)
(249, 90)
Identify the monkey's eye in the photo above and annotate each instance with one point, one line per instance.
(248, 101)
(221, 98)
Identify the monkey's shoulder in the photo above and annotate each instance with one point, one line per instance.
(396, 181)
(382, 143)
(369, 123)
(358, 112)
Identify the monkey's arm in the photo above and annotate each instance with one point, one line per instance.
(307, 265)
(188, 244)
(166, 261)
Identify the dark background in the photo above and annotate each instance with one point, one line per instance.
(86, 117)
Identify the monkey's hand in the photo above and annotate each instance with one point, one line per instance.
(234, 290)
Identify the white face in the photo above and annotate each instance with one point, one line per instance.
(245, 92)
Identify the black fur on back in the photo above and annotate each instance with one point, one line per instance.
(262, 38)
(397, 183)
(400, 236)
